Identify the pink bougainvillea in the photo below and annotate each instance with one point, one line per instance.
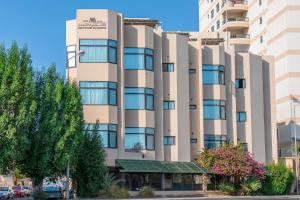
(230, 160)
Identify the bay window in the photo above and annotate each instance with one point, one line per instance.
(107, 132)
(98, 93)
(139, 99)
(139, 138)
(138, 59)
(214, 110)
(98, 51)
(213, 141)
(213, 74)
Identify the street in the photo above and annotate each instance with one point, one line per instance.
(214, 198)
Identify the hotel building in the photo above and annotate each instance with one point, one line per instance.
(161, 97)
(264, 27)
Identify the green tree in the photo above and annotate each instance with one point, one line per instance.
(278, 180)
(56, 129)
(90, 169)
(18, 106)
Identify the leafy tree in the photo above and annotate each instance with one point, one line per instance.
(90, 169)
(231, 160)
(57, 126)
(278, 180)
(18, 106)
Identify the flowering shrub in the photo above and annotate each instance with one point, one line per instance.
(231, 160)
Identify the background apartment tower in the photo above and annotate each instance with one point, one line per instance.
(265, 27)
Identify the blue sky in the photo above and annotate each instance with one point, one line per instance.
(41, 23)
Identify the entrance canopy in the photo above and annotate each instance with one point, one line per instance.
(154, 166)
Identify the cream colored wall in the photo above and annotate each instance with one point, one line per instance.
(230, 76)
(158, 97)
(176, 122)
(196, 95)
(270, 109)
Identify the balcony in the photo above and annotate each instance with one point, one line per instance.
(238, 38)
(235, 23)
(240, 6)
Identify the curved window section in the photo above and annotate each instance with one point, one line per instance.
(139, 139)
(98, 93)
(139, 98)
(107, 132)
(98, 51)
(138, 59)
(213, 141)
(214, 109)
(213, 74)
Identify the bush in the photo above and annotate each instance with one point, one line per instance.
(227, 188)
(278, 180)
(146, 192)
(116, 192)
(250, 187)
(39, 195)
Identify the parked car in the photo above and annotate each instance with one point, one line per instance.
(27, 190)
(18, 191)
(53, 192)
(6, 193)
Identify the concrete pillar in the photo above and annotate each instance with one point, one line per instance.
(163, 182)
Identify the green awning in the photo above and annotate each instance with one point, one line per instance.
(154, 166)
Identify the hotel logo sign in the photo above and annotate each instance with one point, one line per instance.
(91, 24)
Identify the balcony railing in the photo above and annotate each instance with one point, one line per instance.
(239, 35)
(228, 2)
(236, 19)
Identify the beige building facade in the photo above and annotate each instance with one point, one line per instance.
(164, 96)
(264, 27)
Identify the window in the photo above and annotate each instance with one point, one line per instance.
(138, 59)
(214, 110)
(241, 116)
(213, 141)
(192, 71)
(213, 74)
(212, 13)
(98, 93)
(245, 146)
(193, 107)
(260, 20)
(139, 138)
(217, 7)
(98, 51)
(169, 105)
(261, 39)
(168, 67)
(193, 141)
(139, 98)
(240, 83)
(71, 56)
(108, 133)
(169, 140)
(212, 28)
(218, 24)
